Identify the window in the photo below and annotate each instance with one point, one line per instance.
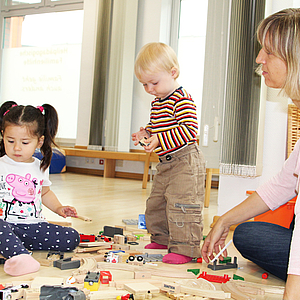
(41, 63)
(191, 48)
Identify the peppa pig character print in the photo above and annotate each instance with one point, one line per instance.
(24, 191)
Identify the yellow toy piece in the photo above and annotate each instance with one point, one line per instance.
(92, 281)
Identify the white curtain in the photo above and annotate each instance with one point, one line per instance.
(239, 150)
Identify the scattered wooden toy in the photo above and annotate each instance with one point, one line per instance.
(141, 288)
(130, 221)
(143, 142)
(87, 237)
(170, 287)
(264, 275)
(59, 292)
(195, 271)
(13, 292)
(105, 277)
(83, 218)
(214, 278)
(227, 265)
(92, 281)
(237, 277)
(111, 231)
(66, 263)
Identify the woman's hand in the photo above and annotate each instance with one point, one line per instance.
(215, 241)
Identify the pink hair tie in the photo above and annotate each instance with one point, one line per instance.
(40, 108)
(8, 109)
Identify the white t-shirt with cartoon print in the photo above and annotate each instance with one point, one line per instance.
(21, 189)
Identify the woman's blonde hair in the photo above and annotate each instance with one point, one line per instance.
(155, 57)
(279, 34)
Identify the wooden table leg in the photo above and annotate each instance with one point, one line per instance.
(146, 171)
(109, 168)
(207, 187)
(209, 173)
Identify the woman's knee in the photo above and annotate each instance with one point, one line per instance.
(240, 234)
(244, 235)
(251, 235)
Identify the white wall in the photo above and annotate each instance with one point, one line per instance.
(87, 71)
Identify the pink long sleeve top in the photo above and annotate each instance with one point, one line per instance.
(279, 190)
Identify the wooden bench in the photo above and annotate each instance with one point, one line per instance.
(209, 173)
(110, 158)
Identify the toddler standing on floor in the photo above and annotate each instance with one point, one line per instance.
(174, 207)
(24, 187)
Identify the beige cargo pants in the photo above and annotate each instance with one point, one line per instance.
(174, 207)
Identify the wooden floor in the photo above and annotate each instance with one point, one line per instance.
(109, 200)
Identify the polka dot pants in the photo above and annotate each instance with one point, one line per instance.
(17, 239)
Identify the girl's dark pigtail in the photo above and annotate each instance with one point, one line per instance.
(3, 110)
(51, 126)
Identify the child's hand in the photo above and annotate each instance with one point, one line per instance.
(67, 211)
(136, 137)
(154, 142)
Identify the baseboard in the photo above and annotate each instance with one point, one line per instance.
(126, 175)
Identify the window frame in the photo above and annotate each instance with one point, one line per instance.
(43, 4)
(31, 9)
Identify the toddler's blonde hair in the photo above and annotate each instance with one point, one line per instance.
(155, 57)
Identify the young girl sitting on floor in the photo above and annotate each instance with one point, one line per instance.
(25, 186)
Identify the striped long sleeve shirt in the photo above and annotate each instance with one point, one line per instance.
(174, 120)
